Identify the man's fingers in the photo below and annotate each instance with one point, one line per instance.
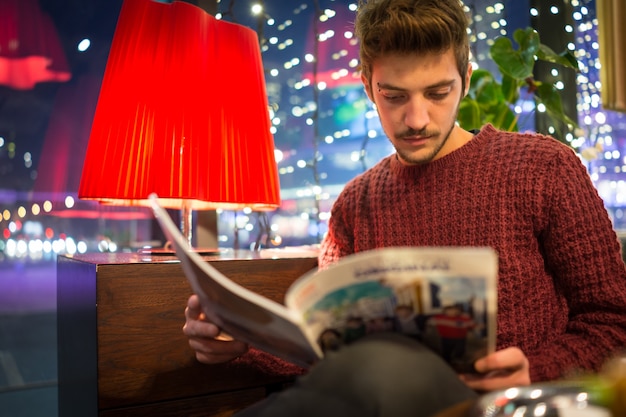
(202, 329)
(508, 359)
(495, 380)
(211, 346)
(193, 309)
(217, 347)
(215, 351)
(501, 369)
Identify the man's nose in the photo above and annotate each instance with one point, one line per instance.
(417, 115)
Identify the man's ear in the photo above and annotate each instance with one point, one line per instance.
(367, 87)
(468, 78)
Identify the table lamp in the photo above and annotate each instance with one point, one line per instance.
(183, 113)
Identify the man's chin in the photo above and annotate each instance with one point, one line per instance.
(416, 157)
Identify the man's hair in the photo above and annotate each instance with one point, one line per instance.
(411, 27)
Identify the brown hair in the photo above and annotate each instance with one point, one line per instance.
(411, 27)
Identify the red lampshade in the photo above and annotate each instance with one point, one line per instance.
(30, 50)
(182, 113)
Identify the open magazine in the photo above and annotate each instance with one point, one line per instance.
(444, 297)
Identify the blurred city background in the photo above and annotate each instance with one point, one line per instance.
(325, 132)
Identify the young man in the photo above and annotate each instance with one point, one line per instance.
(562, 281)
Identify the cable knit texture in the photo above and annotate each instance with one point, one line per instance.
(562, 281)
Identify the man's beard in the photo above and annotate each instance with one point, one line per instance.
(406, 156)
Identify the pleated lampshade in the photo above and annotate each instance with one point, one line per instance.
(183, 113)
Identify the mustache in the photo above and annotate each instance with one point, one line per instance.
(416, 132)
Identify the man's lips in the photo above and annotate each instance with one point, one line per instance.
(416, 140)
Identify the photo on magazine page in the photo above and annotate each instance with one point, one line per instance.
(450, 310)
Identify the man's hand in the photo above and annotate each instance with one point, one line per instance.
(499, 370)
(206, 339)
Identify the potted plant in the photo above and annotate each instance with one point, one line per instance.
(491, 100)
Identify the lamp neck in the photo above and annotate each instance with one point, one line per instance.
(186, 219)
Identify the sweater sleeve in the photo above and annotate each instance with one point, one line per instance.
(339, 241)
(583, 255)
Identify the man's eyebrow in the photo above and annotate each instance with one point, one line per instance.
(440, 84)
(385, 86)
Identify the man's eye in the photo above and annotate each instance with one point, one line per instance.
(439, 95)
(392, 97)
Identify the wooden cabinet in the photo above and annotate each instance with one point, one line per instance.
(120, 342)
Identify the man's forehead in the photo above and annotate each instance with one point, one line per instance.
(398, 66)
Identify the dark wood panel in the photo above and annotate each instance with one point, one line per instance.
(136, 348)
(76, 338)
(219, 405)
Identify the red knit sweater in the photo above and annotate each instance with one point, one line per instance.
(562, 281)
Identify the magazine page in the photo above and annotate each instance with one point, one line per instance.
(445, 297)
(241, 313)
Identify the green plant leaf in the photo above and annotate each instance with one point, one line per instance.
(479, 77)
(510, 61)
(480, 73)
(489, 92)
(528, 41)
(504, 118)
(469, 116)
(550, 97)
(490, 98)
(565, 58)
(484, 88)
(510, 89)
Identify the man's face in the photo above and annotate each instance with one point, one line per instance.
(417, 98)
